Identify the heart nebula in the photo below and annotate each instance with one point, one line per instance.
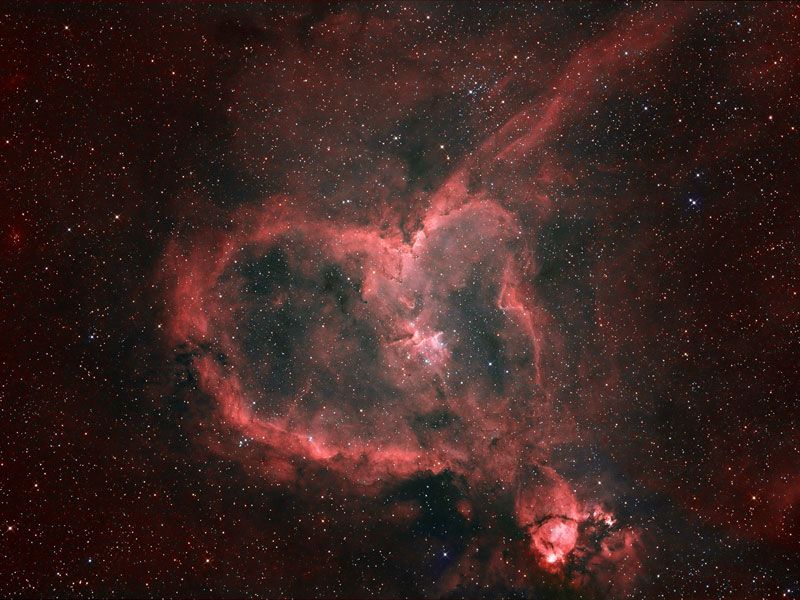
(380, 352)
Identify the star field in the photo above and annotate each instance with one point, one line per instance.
(414, 299)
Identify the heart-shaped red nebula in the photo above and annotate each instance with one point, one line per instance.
(383, 351)
(404, 299)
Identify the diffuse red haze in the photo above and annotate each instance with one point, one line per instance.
(388, 377)
(408, 299)
(405, 334)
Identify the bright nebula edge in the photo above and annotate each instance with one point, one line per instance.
(441, 300)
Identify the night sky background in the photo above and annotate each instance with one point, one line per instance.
(400, 300)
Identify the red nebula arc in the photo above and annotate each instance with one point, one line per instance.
(380, 355)
(397, 323)
(384, 348)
